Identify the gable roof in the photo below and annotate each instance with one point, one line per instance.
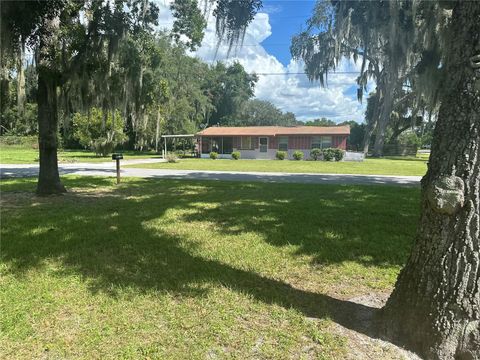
(274, 130)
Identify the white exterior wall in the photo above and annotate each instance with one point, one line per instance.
(354, 156)
(270, 154)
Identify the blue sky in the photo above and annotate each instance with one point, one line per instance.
(287, 18)
(267, 50)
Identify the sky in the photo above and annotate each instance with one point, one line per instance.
(267, 50)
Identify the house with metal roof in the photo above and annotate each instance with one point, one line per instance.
(263, 142)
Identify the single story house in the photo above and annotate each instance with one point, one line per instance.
(263, 142)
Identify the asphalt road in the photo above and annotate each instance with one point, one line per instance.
(108, 169)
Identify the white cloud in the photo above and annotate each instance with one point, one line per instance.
(292, 93)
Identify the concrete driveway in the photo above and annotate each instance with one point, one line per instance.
(108, 169)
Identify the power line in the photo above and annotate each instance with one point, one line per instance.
(304, 73)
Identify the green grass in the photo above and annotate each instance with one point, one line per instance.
(183, 269)
(16, 154)
(385, 166)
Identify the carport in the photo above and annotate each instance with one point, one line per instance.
(173, 137)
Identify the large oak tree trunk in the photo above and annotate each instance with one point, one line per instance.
(435, 307)
(372, 124)
(48, 177)
(385, 112)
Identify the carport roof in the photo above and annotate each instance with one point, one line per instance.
(274, 130)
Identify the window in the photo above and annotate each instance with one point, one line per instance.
(321, 142)
(283, 143)
(246, 142)
(205, 145)
(326, 142)
(216, 145)
(227, 145)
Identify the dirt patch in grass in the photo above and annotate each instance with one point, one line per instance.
(362, 346)
(20, 199)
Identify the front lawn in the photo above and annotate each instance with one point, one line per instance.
(387, 166)
(17, 154)
(185, 269)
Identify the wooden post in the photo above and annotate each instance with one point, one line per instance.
(118, 170)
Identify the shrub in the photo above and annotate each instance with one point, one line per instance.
(213, 155)
(103, 146)
(297, 155)
(339, 153)
(172, 158)
(281, 155)
(315, 153)
(26, 141)
(236, 155)
(328, 154)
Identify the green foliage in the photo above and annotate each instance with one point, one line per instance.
(321, 122)
(20, 124)
(256, 112)
(232, 19)
(100, 131)
(229, 88)
(330, 154)
(339, 154)
(297, 155)
(24, 141)
(189, 22)
(213, 155)
(315, 153)
(236, 155)
(410, 138)
(281, 155)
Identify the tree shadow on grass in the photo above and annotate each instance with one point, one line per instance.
(105, 238)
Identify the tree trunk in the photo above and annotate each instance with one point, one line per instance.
(48, 177)
(21, 78)
(435, 307)
(157, 131)
(368, 135)
(373, 125)
(384, 118)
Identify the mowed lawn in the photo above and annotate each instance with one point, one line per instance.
(416, 166)
(173, 269)
(17, 154)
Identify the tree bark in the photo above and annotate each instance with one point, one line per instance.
(157, 131)
(21, 77)
(48, 177)
(385, 112)
(435, 307)
(372, 125)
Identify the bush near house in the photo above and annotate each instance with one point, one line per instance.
(315, 153)
(281, 155)
(236, 155)
(297, 155)
(213, 155)
(330, 154)
(339, 154)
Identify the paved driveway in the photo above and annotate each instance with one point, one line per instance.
(108, 169)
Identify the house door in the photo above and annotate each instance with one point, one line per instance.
(263, 145)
